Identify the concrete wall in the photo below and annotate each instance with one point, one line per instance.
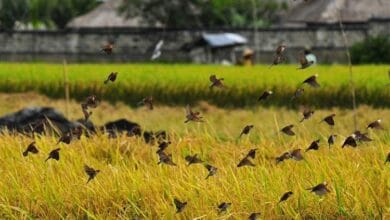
(83, 45)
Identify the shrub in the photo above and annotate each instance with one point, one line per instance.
(371, 50)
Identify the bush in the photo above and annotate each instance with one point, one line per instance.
(372, 50)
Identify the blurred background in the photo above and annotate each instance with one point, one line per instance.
(193, 31)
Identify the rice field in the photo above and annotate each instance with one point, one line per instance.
(131, 185)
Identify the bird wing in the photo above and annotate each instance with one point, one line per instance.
(89, 170)
(213, 78)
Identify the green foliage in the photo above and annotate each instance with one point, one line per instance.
(12, 11)
(371, 50)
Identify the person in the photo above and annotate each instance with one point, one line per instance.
(247, 57)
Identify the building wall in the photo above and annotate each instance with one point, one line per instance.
(135, 45)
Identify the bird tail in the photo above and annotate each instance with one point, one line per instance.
(208, 176)
(89, 179)
(47, 159)
(301, 120)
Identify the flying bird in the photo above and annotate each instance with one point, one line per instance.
(179, 205)
(246, 130)
(329, 119)
(215, 82)
(320, 189)
(192, 116)
(350, 141)
(359, 136)
(332, 139)
(296, 155)
(279, 56)
(91, 172)
(65, 138)
(304, 62)
(86, 113)
(54, 154)
(162, 146)
(283, 157)
(148, 102)
(223, 206)
(193, 159)
(288, 130)
(108, 48)
(285, 196)
(157, 50)
(111, 77)
(375, 125)
(314, 145)
(245, 162)
(298, 93)
(251, 153)
(165, 158)
(307, 113)
(31, 148)
(91, 102)
(265, 95)
(212, 170)
(312, 81)
(254, 216)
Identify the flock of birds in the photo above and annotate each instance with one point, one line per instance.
(320, 189)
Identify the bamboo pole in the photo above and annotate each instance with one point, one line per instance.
(66, 88)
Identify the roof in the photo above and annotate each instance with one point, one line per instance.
(328, 11)
(223, 39)
(107, 15)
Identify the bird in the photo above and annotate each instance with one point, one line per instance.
(329, 119)
(179, 205)
(314, 145)
(350, 141)
(148, 102)
(31, 148)
(54, 154)
(162, 146)
(251, 153)
(223, 206)
(265, 95)
(283, 157)
(362, 137)
(297, 93)
(245, 162)
(86, 113)
(91, 172)
(320, 189)
(165, 158)
(65, 138)
(192, 116)
(387, 158)
(332, 139)
(375, 125)
(193, 159)
(157, 50)
(111, 77)
(288, 130)
(307, 113)
(212, 170)
(215, 82)
(296, 154)
(108, 48)
(312, 81)
(246, 130)
(279, 56)
(280, 50)
(254, 216)
(91, 102)
(304, 62)
(285, 196)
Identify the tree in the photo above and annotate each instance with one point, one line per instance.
(12, 11)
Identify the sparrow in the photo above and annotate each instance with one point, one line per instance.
(320, 189)
(91, 172)
(165, 158)
(31, 148)
(251, 153)
(296, 155)
(66, 138)
(212, 170)
(307, 113)
(86, 113)
(284, 156)
(254, 216)
(329, 119)
(246, 130)
(298, 93)
(179, 205)
(332, 139)
(350, 141)
(193, 159)
(265, 95)
(192, 116)
(223, 207)
(304, 62)
(245, 162)
(387, 158)
(91, 102)
(359, 136)
(279, 55)
(108, 48)
(375, 125)
(157, 50)
(162, 146)
(216, 82)
(288, 130)
(111, 77)
(314, 145)
(148, 102)
(285, 196)
(54, 154)
(312, 81)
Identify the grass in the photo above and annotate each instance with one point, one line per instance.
(131, 185)
(188, 84)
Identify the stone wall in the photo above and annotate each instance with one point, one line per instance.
(135, 45)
